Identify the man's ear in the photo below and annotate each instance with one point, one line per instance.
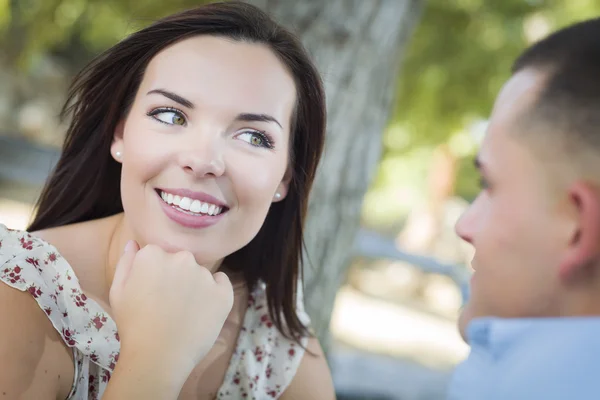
(583, 249)
(116, 148)
(284, 186)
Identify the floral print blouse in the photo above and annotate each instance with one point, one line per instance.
(261, 367)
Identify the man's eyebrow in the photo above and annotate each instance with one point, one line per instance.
(249, 117)
(173, 96)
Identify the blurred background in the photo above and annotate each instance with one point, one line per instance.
(410, 85)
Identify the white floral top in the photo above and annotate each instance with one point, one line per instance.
(262, 365)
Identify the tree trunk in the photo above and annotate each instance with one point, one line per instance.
(357, 45)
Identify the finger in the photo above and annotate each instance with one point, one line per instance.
(222, 279)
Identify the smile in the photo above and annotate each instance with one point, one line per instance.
(191, 209)
(190, 206)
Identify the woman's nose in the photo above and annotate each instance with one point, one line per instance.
(203, 158)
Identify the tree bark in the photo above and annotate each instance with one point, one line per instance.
(357, 45)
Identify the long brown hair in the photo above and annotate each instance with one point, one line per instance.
(85, 183)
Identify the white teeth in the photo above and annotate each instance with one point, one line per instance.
(187, 204)
(196, 206)
(204, 209)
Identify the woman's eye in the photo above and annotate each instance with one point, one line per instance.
(168, 117)
(256, 139)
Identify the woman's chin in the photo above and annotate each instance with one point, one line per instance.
(203, 256)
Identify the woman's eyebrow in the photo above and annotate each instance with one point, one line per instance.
(173, 96)
(243, 117)
(250, 117)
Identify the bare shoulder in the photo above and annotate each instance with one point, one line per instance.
(34, 361)
(68, 239)
(63, 238)
(83, 245)
(68, 236)
(313, 378)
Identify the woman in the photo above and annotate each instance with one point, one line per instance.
(190, 154)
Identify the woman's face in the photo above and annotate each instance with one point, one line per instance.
(205, 146)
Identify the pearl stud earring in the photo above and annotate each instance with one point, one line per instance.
(277, 195)
(118, 154)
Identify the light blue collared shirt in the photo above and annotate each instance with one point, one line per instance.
(530, 359)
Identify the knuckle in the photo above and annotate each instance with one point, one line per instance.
(150, 250)
(149, 253)
(224, 286)
(142, 254)
(185, 257)
(204, 273)
(221, 278)
(151, 247)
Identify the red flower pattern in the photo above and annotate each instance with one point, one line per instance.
(35, 291)
(25, 243)
(52, 257)
(98, 322)
(263, 363)
(33, 261)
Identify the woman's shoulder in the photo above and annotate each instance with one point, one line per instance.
(31, 347)
(14, 243)
(32, 265)
(25, 260)
(20, 244)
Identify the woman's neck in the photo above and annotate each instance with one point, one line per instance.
(116, 245)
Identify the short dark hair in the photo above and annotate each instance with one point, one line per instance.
(85, 184)
(570, 96)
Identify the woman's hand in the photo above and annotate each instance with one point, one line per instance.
(169, 311)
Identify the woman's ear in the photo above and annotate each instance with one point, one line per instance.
(283, 188)
(116, 148)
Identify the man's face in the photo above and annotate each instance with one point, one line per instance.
(515, 224)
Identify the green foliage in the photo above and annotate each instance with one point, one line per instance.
(458, 59)
(77, 29)
(461, 54)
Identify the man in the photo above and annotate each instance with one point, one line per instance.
(533, 320)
